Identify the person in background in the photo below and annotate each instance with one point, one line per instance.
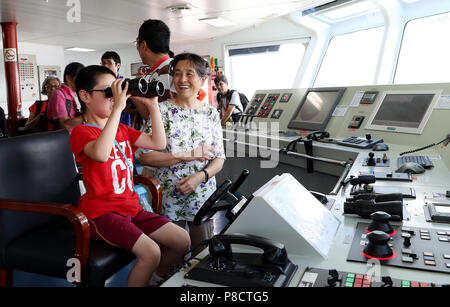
(111, 60)
(62, 111)
(152, 44)
(194, 153)
(228, 101)
(37, 121)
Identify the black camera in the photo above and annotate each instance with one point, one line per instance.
(140, 87)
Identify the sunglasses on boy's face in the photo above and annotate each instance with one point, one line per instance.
(107, 91)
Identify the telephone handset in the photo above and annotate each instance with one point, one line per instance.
(318, 135)
(274, 252)
(224, 266)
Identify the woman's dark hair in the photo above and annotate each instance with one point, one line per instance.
(72, 70)
(200, 64)
(87, 79)
(219, 78)
(156, 34)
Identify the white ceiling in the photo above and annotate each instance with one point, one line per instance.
(115, 23)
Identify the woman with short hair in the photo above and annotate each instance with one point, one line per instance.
(194, 152)
(37, 121)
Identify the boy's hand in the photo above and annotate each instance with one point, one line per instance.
(149, 102)
(120, 95)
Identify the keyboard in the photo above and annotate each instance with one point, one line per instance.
(359, 142)
(422, 160)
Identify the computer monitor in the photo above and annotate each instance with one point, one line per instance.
(315, 108)
(403, 111)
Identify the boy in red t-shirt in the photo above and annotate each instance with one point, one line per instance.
(105, 147)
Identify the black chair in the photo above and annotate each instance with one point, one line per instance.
(41, 227)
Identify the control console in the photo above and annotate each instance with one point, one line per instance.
(313, 277)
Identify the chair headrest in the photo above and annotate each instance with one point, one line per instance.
(38, 167)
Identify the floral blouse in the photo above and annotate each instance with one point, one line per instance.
(187, 129)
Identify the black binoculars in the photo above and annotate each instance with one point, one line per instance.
(140, 87)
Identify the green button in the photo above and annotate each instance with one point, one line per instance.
(406, 283)
(349, 284)
(350, 279)
(350, 275)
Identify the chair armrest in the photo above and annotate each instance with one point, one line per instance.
(155, 190)
(73, 214)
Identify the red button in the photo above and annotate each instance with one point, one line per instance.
(424, 285)
(414, 284)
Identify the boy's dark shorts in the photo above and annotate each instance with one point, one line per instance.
(123, 231)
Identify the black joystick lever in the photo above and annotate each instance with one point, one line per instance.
(406, 239)
(380, 221)
(368, 137)
(333, 278)
(378, 246)
(371, 160)
(387, 281)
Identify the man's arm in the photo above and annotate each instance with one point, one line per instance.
(141, 108)
(227, 114)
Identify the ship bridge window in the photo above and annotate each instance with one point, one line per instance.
(424, 54)
(265, 66)
(351, 59)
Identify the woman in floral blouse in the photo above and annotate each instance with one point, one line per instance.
(194, 153)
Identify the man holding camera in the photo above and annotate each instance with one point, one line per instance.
(152, 44)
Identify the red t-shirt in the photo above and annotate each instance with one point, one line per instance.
(109, 185)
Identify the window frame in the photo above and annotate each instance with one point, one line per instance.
(401, 43)
(306, 40)
(346, 33)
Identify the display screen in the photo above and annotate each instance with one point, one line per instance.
(403, 110)
(316, 108)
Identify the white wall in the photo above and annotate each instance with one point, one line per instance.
(127, 57)
(276, 29)
(45, 55)
(280, 28)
